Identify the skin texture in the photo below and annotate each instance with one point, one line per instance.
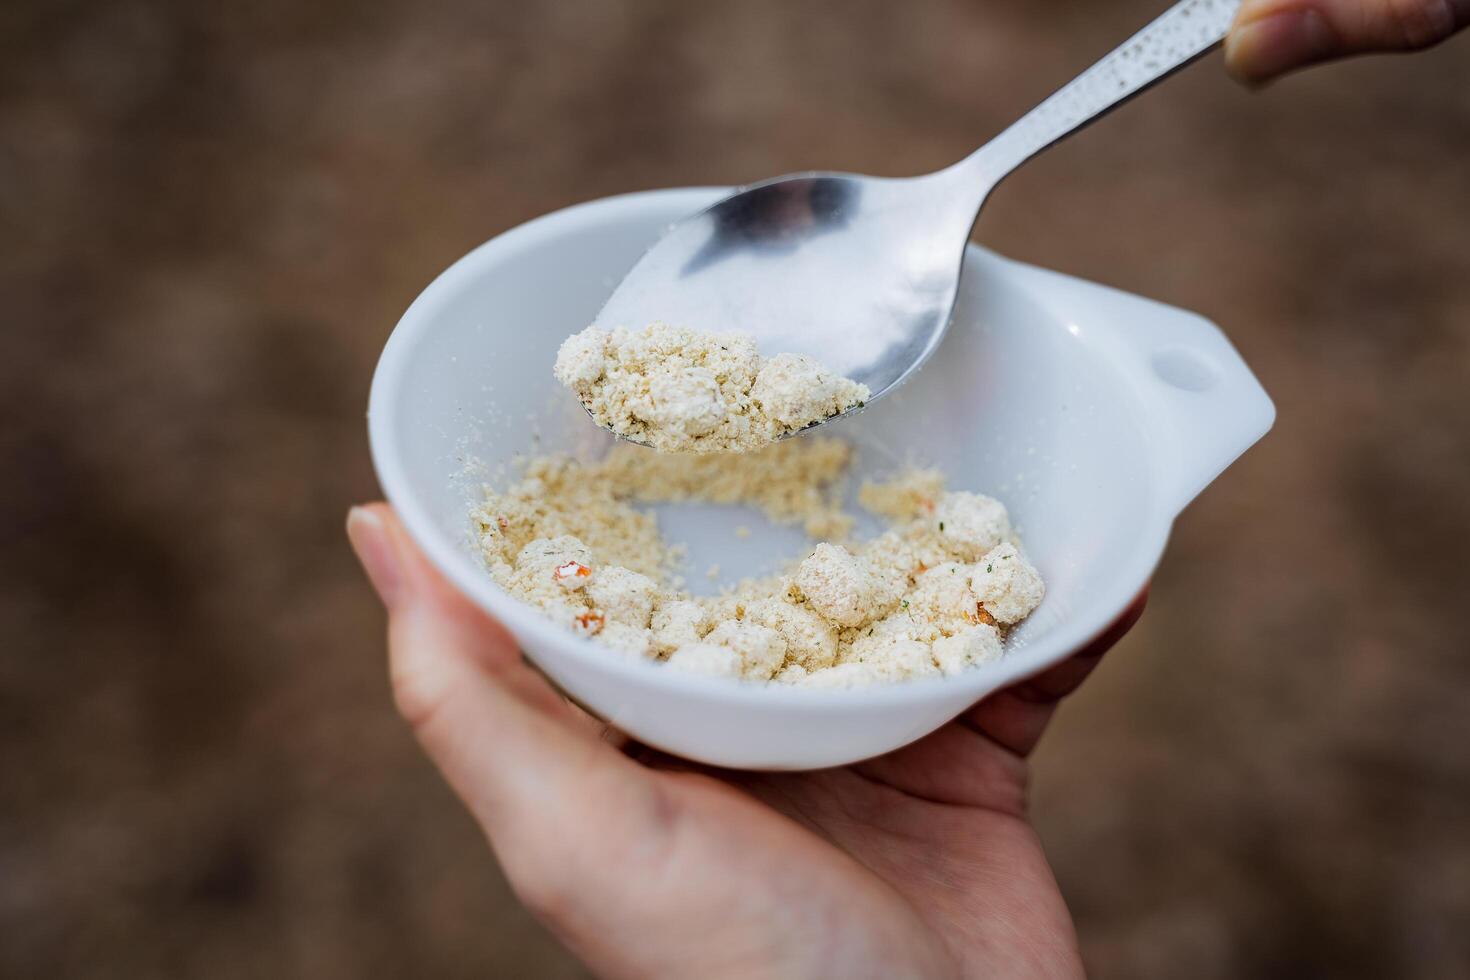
(1273, 37)
(919, 863)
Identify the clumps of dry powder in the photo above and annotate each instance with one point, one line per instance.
(683, 391)
(934, 594)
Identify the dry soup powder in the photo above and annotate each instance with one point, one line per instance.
(684, 391)
(935, 593)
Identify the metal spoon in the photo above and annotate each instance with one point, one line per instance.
(861, 272)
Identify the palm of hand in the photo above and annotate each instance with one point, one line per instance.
(919, 863)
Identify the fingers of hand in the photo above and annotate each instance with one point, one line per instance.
(957, 765)
(1016, 717)
(1272, 37)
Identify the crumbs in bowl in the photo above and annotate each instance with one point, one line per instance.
(934, 594)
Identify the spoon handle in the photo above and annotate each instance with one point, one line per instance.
(1182, 33)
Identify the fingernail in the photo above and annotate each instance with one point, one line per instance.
(377, 552)
(1260, 50)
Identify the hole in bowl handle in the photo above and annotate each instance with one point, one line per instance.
(1205, 406)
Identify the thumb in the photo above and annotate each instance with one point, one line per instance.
(512, 748)
(1272, 37)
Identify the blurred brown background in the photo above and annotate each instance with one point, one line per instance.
(212, 216)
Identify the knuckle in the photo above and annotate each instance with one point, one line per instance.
(564, 873)
(550, 878)
(419, 695)
(546, 894)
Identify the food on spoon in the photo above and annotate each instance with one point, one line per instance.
(683, 391)
(935, 594)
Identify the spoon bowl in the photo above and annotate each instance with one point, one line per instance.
(780, 261)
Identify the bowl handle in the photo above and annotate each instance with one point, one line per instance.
(1202, 405)
(1205, 405)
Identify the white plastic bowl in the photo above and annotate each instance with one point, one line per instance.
(1096, 416)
